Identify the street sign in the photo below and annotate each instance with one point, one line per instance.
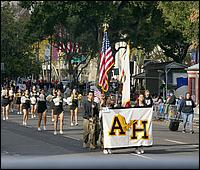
(82, 58)
(47, 52)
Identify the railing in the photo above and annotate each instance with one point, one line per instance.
(166, 112)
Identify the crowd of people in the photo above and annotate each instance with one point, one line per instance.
(34, 101)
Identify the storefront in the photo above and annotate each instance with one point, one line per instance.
(193, 81)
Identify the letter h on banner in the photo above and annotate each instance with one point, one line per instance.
(135, 130)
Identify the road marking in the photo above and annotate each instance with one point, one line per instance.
(72, 138)
(142, 156)
(174, 141)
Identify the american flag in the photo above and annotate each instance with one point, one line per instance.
(107, 61)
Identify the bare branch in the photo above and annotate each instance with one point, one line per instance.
(84, 67)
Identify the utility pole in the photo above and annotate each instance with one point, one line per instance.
(51, 52)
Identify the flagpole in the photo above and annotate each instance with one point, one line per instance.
(105, 28)
(107, 60)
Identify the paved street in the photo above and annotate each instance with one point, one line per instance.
(25, 147)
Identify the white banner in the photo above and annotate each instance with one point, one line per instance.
(127, 127)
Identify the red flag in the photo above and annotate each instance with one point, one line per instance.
(69, 47)
(76, 48)
(55, 54)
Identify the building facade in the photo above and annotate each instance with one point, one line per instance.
(193, 81)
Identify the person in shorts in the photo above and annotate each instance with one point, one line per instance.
(74, 108)
(58, 112)
(5, 103)
(54, 94)
(18, 96)
(26, 105)
(33, 98)
(11, 98)
(41, 109)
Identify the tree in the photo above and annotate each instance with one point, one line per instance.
(181, 28)
(145, 23)
(15, 49)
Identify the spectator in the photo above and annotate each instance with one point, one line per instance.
(140, 101)
(148, 99)
(67, 92)
(61, 87)
(172, 98)
(179, 101)
(110, 102)
(170, 103)
(160, 103)
(187, 111)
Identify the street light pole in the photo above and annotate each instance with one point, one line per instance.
(166, 71)
(51, 58)
(166, 82)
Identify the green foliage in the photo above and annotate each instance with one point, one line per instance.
(178, 16)
(181, 28)
(173, 25)
(15, 48)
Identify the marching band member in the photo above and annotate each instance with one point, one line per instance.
(74, 108)
(41, 109)
(11, 98)
(5, 103)
(18, 96)
(25, 100)
(34, 95)
(58, 112)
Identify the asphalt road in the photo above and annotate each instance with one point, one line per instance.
(25, 147)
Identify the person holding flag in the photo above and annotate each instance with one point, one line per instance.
(106, 63)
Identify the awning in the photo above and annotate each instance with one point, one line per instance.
(193, 68)
(139, 76)
(175, 65)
